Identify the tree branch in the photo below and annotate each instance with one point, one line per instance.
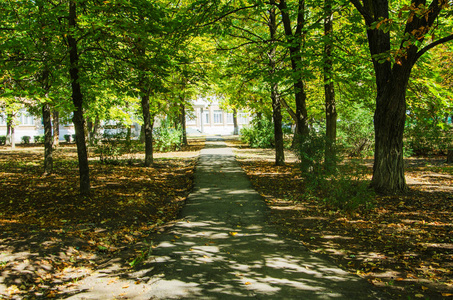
(432, 45)
(366, 14)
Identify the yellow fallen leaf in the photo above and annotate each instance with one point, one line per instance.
(424, 288)
(233, 233)
(419, 295)
(247, 283)
(447, 294)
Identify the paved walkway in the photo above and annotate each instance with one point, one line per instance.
(224, 249)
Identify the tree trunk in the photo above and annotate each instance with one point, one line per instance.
(235, 122)
(9, 125)
(148, 129)
(56, 128)
(450, 156)
(77, 99)
(48, 142)
(295, 43)
(329, 90)
(276, 105)
(182, 122)
(389, 119)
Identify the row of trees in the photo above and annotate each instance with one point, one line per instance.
(297, 61)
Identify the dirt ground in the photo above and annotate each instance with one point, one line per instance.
(403, 244)
(50, 237)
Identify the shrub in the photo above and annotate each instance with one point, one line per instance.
(2, 140)
(39, 138)
(167, 138)
(114, 147)
(26, 139)
(67, 138)
(346, 190)
(260, 133)
(356, 132)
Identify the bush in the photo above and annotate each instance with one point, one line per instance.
(167, 138)
(39, 138)
(2, 140)
(356, 132)
(347, 190)
(423, 137)
(114, 147)
(260, 133)
(67, 138)
(26, 139)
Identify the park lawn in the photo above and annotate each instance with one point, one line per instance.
(402, 244)
(50, 237)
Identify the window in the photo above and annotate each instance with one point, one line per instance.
(218, 117)
(230, 118)
(2, 120)
(25, 118)
(206, 117)
(243, 118)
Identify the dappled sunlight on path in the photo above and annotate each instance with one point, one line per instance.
(223, 248)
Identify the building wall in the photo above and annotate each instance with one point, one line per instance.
(208, 118)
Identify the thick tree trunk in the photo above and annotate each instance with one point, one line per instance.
(235, 122)
(276, 105)
(329, 90)
(48, 141)
(450, 156)
(56, 128)
(77, 99)
(148, 129)
(389, 119)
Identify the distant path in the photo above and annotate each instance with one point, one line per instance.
(224, 248)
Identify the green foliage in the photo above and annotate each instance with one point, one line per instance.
(345, 190)
(260, 133)
(167, 138)
(115, 149)
(356, 131)
(67, 138)
(39, 138)
(2, 140)
(26, 139)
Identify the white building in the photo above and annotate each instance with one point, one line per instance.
(208, 118)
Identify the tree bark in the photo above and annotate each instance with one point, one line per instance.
(77, 99)
(391, 82)
(235, 122)
(182, 122)
(276, 105)
(389, 119)
(48, 141)
(295, 41)
(329, 90)
(148, 129)
(9, 126)
(56, 128)
(450, 156)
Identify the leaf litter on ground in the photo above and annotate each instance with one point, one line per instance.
(51, 237)
(404, 244)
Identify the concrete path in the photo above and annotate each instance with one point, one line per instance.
(224, 249)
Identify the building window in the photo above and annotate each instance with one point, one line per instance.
(243, 118)
(2, 120)
(25, 118)
(218, 117)
(230, 119)
(206, 117)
